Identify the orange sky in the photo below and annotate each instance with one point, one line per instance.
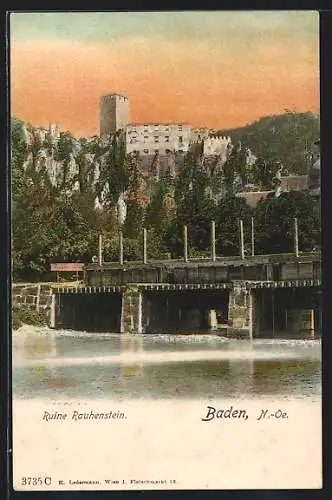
(209, 80)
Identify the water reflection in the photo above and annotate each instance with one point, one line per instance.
(38, 346)
(32, 344)
(62, 365)
(131, 344)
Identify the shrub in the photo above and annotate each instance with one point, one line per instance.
(24, 315)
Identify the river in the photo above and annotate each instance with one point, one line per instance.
(58, 364)
(164, 386)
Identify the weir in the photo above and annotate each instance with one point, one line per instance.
(184, 311)
(295, 312)
(98, 312)
(240, 311)
(258, 296)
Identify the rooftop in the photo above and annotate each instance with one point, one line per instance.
(294, 183)
(253, 197)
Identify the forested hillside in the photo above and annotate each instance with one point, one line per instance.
(55, 217)
(284, 138)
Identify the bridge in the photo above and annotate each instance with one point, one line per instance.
(259, 295)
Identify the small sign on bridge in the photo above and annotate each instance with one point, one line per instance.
(67, 267)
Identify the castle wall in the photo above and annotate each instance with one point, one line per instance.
(216, 146)
(148, 139)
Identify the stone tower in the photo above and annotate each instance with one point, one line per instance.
(114, 113)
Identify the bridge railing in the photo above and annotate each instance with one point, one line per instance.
(256, 259)
(243, 254)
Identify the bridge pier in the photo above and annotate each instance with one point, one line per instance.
(131, 311)
(240, 312)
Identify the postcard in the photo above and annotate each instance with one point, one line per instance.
(166, 262)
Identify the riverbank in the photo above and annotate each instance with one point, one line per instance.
(22, 315)
(31, 302)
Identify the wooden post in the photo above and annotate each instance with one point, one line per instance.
(52, 312)
(120, 247)
(296, 238)
(311, 324)
(273, 320)
(241, 240)
(262, 316)
(38, 298)
(139, 314)
(250, 306)
(213, 241)
(252, 237)
(100, 250)
(145, 259)
(185, 243)
(123, 308)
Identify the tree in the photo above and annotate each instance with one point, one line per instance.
(54, 223)
(263, 172)
(283, 138)
(235, 170)
(19, 153)
(195, 204)
(274, 223)
(229, 212)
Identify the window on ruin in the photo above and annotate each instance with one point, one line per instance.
(180, 138)
(166, 138)
(156, 138)
(180, 127)
(146, 151)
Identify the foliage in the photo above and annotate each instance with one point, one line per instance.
(19, 152)
(230, 211)
(54, 223)
(115, 171)
(263, 173)
(27, 316)
(274, 221)
(161, 209)
(235, 170)
(196, 206)
(283, 138)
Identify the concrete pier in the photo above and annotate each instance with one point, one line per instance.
(240, 312)
(131, 311)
